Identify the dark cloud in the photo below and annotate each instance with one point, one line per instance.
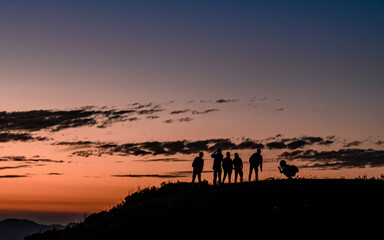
(180, 111)
(149, 111)
(13, 176)
(343, 158)
(27, 160)
(14, 167)
(56, 120)
(297, 144)
(186, 119)
(195, 112)
(167, 148)
(76, 143)
(276, 145)
(22, 137)
(152, 117)
(353, 144)
(168, 121)
(187, 147)
(279, 109)
(380, 142)
(326, 142)
(55, 174)
(84, 153)
(226, 100)
(250, 144)
(140, 106)
(294, 143)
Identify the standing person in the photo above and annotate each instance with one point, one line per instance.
(255, 161)
(238, 165)
(227, 167)
(217, 159)
(198, 165)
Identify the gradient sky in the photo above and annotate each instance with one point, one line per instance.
(266, 72)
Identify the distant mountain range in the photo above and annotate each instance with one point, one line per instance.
(17, 229)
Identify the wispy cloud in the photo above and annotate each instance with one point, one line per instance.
(162, 160)
(186, 119)
(27, 160)
(21, 137)
(180, 111)
(353, 144)
(14, 167)
(195, 112)
(226, 100)
(55, 174)
(56, 120)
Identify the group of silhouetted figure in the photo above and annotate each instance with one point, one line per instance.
(226, 164)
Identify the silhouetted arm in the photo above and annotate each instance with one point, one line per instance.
(261, 163)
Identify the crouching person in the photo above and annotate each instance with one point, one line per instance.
(288, 170)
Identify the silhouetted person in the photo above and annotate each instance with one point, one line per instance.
(288, 170)
(255, 161)
(238, 165)
(198, 165)
(227, 167)
(217, 159)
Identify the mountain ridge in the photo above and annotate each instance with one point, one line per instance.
(17, 229)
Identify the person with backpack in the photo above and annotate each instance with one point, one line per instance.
(198, 165)
(255, 161)
(238, 165)
(227, 167)
(217, 159)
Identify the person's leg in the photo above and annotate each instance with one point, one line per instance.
(250, 171)
(219, 175)
(241, 175)
(199, 177)
(193, 176)
(225, 176)
(236, 172)
(257, 173)
(229, 176)
(214, 177)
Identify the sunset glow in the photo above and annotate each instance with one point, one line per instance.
(102, 98)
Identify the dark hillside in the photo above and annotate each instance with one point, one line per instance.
(304, 209)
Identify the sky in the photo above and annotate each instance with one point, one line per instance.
(99, 99)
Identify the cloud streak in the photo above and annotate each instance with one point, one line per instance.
(27, 160)
(21, 137)
(56, 120)
(13, 176)
(189, 147)
(342, 158)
